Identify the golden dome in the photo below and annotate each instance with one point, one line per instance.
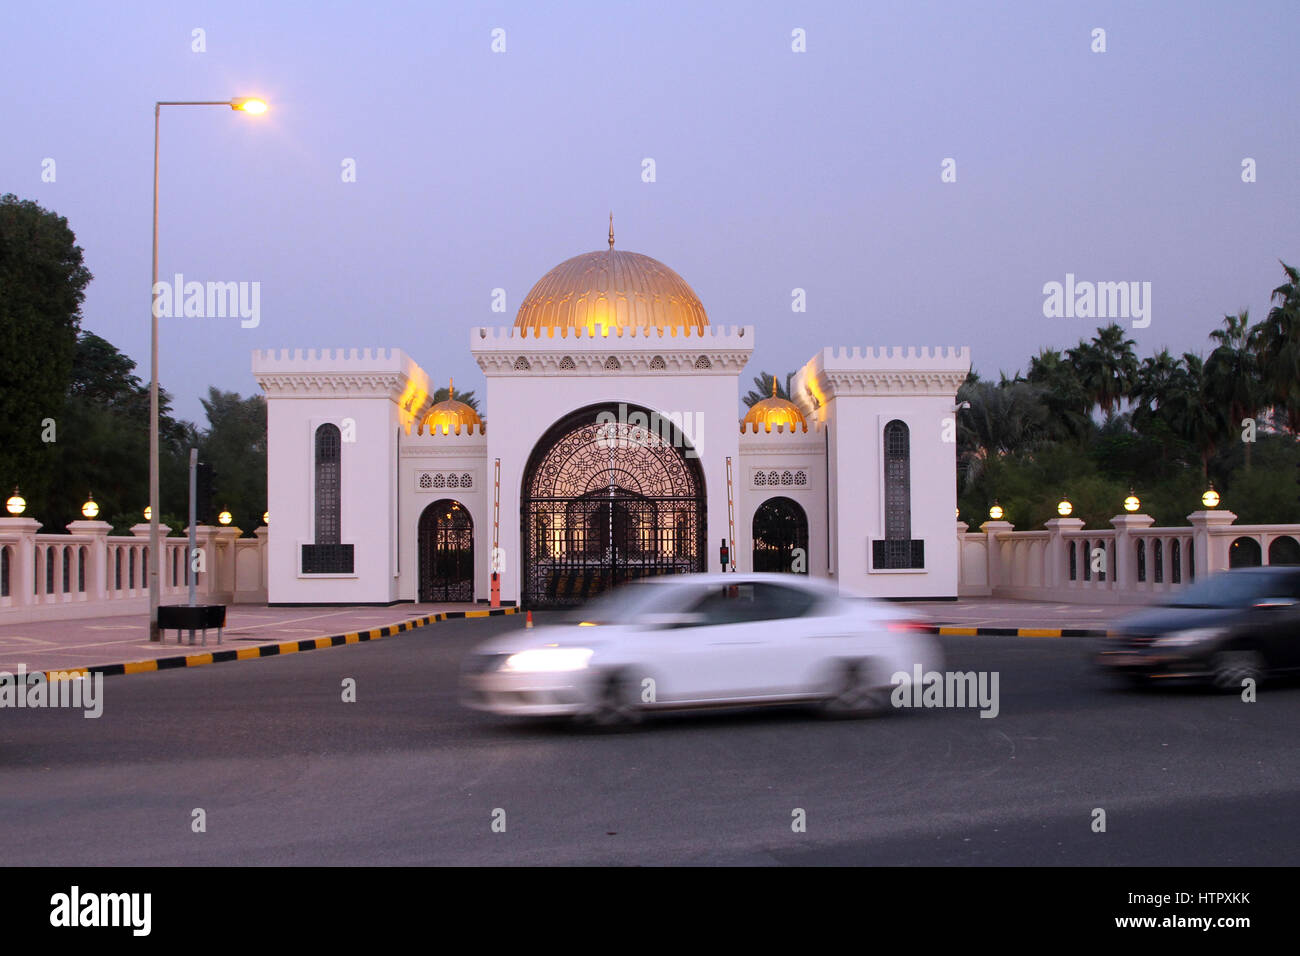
(773, 411)
(450, 415)
(611, 289)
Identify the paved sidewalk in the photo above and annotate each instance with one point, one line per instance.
(90, 642)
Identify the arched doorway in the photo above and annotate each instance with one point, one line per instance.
(606, 502)
(780, 528)
(446, 550)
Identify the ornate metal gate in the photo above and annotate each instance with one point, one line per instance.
(606, 502)
(446, 545)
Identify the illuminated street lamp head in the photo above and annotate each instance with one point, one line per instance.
(1211, 498)
(16, 504)
(224, 517)
(89, 509)
(249, 104)
(1063, 508)
(266, 517)
(996, 511)
(1131, 503)
(148, 512)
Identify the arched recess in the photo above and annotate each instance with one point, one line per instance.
(1244, 553)
(780, 533)
(445, 551)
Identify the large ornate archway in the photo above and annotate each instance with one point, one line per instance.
(605, 502)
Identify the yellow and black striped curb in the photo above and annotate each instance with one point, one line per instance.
(266, 650)
(1014, 631)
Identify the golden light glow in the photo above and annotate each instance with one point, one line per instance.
(1132, 503)
(89, 509)
(148, 512)
(774, 411)
(611, 289)
(249, 104)
(225, 517)
(266, 517)
(16, 504)
(1211, 498)
(450, 415)
(1064, 508)
(996, 512)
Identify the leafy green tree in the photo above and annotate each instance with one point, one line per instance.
(104, 448)
(234, 443)
(42, 285)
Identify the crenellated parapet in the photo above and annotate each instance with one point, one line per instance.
(715, 350)
(476, 431)
(805, 428)
(914, 370)
(351, 373)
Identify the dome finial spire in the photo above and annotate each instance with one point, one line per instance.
(611, 229)
(451, 388)
(774, 386)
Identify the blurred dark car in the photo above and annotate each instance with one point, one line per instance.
(1223, 629)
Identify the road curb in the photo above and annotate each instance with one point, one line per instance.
(955, 631)
(153, 665)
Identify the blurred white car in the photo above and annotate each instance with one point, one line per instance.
(703, 640)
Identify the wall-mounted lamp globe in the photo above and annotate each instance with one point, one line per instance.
(996, 511)
(224, 517)
(90, 509)
(1064, 508)
(16, 504)
(1132, 503)
(1211, 498)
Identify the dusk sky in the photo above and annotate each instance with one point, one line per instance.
(774, 170)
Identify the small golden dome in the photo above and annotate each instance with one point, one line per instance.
(450, 415)
(611, 289)
(774, 411)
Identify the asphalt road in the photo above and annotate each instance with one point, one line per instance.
(287, 773)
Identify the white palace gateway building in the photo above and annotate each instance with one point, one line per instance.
(609, 450)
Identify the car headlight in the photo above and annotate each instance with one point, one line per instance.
(547, 659)
(1196, 635)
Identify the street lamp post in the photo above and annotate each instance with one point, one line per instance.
(247, 105)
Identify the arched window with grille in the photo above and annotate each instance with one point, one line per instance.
(897, 549)
(328, 555)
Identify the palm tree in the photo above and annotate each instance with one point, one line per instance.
(1003, 419)
(1106, 366)
(763, 382)
(1191, 412)
(1063, 392)
(1278, 341)
(442, 394)
(1232, 372)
